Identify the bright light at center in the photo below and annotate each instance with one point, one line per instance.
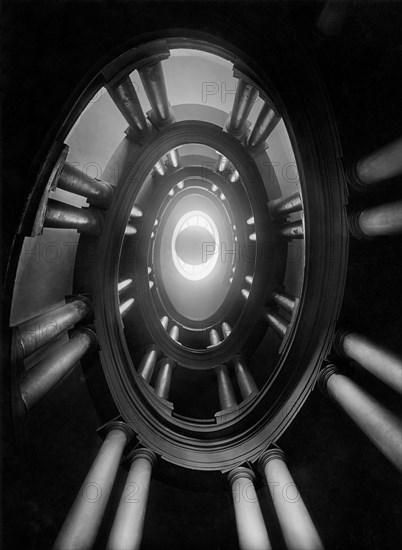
(196, 272)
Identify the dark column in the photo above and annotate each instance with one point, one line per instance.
(98, 193)
(65, 216)
(227, 398)
(40, 330)
(148, 363)
(126, 100)
(244, 377)
(277, 322)
(333, 18)
(164, 377)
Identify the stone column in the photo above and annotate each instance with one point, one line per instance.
(251, 529)
(295, 521)
(82, 523)
(128, 525)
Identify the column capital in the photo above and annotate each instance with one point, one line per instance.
(353, 179)
(354, 226)
(339, 339)
(119, 425)
(270, 454)
(142, 453)
(324, 376)
(240, 471)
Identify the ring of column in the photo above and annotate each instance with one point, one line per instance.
(302, 319)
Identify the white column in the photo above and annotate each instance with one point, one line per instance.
(381, 426)
(382, 363)
(82, 523)
(251, 529)
(295, 521)
(128, 525)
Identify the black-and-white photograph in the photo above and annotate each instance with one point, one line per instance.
(202, 274)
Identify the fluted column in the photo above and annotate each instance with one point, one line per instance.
(128, 525)
(227, 398)
(251, 529)
(381, 426)
(148, 363)
(382, 363)
(244, 377)
(40, 379)
(377, 221)
(383, 164)
(81, 526)
(164, 377)
(42, 329)
(244, 100)
(295, 521)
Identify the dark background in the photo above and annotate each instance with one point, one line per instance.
(351, 491)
